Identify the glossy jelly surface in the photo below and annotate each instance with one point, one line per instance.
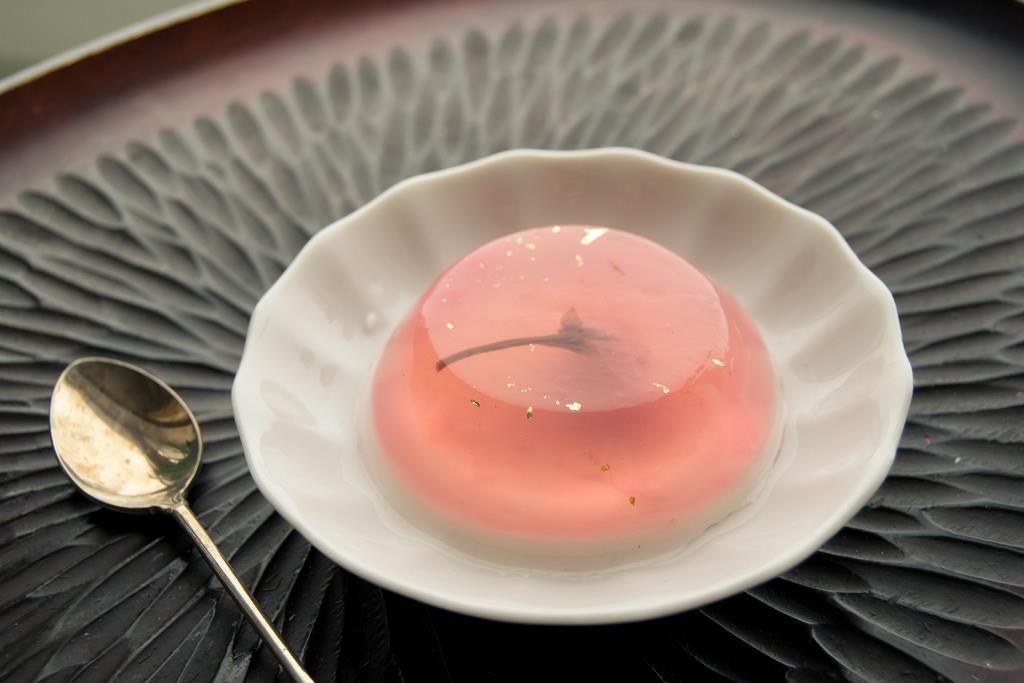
(576, 383)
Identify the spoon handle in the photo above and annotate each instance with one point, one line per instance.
(239, 593)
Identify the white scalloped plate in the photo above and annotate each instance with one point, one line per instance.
(303, 384)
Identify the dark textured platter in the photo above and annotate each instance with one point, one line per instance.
(150, 193)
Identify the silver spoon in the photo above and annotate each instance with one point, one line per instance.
(128, 441)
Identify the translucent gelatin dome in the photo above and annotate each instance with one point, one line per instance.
(576, 383)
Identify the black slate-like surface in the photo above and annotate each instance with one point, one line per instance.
(159, 253)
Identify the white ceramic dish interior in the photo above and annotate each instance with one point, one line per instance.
(303, 384)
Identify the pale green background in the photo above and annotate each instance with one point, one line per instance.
(32, 30)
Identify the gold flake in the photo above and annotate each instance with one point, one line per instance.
(556, 229)
(605, 468)
(509, 385)
(574, 406)
(531, 246)
(547, 279)
(529, 412)
(592, 235)
(532, 347)
(632, 500)
(719, 362)
(579, 261)
(508, 252)
(449, 326)
(519, 240)
(524, 391)
(444, 299)
(558, 403)
(476, 403)
(664, 389)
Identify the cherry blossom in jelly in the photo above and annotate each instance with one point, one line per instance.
(576, 383)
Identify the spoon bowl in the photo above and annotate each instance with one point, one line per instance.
(125, 438)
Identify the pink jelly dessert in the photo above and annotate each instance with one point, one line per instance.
(576, 383)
